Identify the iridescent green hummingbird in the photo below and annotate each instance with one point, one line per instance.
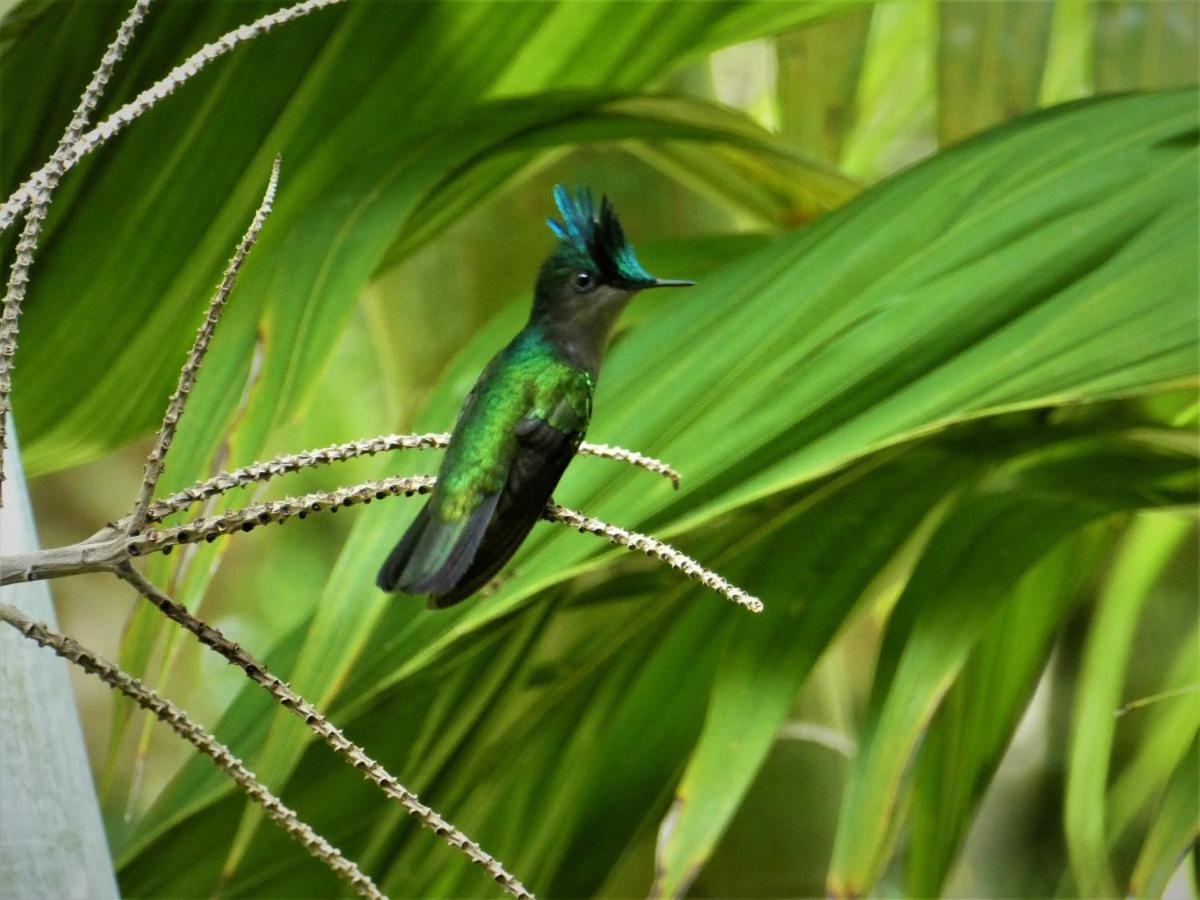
(526, 416)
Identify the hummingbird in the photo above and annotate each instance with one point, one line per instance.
(527, 414)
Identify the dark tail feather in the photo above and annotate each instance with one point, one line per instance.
(392, 570)
(497, 548)
(434, 554)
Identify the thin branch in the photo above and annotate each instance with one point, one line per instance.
(39, 204)
(111, 547)
(161, 540)
(656, 549)
(209, 528)
(23, 196)
(98, 553)
(283, 465)
(95, 89)
(71, 651)
(294, 462)
(155, 462)
(620, 454)
(326, 730)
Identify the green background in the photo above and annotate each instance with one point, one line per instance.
(934, 401)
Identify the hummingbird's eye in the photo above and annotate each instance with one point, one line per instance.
(584, 281)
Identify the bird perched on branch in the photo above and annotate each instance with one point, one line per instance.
(527, 414)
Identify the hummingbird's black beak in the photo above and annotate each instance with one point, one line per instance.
(671, 282)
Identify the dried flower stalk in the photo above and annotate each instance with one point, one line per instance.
(41, 190)
(655, 549)
(166, 711)
(155, 462)
(649, 463)
(326, 730)
(23, 197)
(294, 462)
(209, 528)
(99, 81)
(110, 548)
(161, 540)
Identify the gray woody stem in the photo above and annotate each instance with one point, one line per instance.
(326, 730)
(71, 651)
(155, 462)
(41, 188)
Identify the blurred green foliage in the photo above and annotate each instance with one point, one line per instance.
(942, 420)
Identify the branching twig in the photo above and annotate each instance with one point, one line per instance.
(40, 191)
(656, 549)
(110, 548)
(294, 462)
(71, 651)
(278, 511)
(95, 89)
(649, 463)
(113, 547)
(191, 368)
(283, 465)
(23, 196)
(326, 730)
(209, 528)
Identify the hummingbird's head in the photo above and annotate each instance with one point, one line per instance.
(592, 272)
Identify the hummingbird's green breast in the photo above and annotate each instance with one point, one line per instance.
(529, 379)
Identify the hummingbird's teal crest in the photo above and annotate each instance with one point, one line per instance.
(523, 421)
(596, 241)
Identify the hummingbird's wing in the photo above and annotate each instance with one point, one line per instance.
(485, 504)
(439, 545)
(543, 454)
